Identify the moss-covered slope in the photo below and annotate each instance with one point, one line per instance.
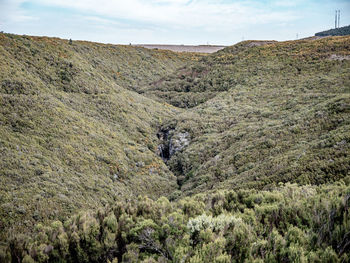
(270, 112)
(236, 128)
(71, 136)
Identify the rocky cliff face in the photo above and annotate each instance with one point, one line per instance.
(178, 141)
(171, 142)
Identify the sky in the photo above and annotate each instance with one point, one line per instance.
(189, 22)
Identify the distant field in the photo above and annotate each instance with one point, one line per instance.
(185, 48)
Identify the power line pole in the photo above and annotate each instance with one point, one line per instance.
(338, 18)
(335, 20)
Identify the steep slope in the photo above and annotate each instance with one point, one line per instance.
(259, 145)
(267, 113)
(199, 81)
(71, 135)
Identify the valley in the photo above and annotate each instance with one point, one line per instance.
(114, 153)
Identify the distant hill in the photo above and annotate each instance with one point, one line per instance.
(185, 48)
(342, 31)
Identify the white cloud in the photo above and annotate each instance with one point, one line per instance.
(10, 12)
(203, 14)
(283, 3)
(158, 21)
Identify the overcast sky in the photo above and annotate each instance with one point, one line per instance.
(171, 21)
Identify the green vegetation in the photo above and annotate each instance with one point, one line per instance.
(255, 141)
(71, 137)
(282, 116)
(341, 31)
(287, 224)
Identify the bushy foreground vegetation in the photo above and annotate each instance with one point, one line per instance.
(287, 224)
(341, 31)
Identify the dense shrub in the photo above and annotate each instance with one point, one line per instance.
(287, 224)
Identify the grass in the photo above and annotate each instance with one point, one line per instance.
(71, 135)
(282, 117)
(265, 176)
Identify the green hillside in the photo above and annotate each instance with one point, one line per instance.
(122, 154)
(266, 113)
(71, 135)
(341, 31)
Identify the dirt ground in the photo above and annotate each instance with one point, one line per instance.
(185, 48)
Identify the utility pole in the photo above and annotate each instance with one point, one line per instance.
(335, 20)
(338, 18)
